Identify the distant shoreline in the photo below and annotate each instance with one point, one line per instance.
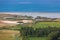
(34, 14)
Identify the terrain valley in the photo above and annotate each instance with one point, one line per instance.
(19, 27)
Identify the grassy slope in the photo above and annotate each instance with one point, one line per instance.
(37, 38)
(46, 24)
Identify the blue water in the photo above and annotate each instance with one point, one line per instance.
(29, 7)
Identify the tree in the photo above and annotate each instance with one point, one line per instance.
(38, 17)
(53, 35)
(27, 31)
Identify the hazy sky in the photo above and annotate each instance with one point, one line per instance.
(34, 14)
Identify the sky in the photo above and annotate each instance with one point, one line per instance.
(31, 7)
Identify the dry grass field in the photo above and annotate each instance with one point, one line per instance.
(8, 34)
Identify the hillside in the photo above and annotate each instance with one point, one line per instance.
(2, 16)
(26, 31)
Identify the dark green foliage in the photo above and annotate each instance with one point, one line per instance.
(25, 38)
(54, 35)
(38, 32)
(27, 31)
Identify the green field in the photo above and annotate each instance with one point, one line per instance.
(38, 38)
(46, 24)
(39, 25)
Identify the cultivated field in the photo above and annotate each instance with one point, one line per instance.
(46, 24)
